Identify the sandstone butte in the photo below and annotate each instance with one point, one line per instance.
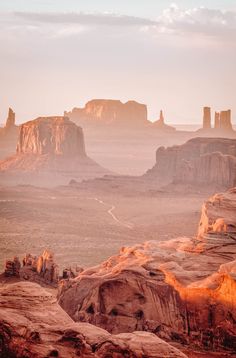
(182, 290)
(198, 161)
(53, 146)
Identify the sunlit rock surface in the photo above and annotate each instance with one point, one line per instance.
(182, 289)
(32, 324)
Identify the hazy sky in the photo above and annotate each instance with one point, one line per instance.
(176, 56)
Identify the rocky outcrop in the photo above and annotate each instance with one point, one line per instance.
(44, 265)
(53, 148)
(10, 122)
(198, 161)
(12, 267)
(161, 125)
(8, 136)
(104, 111)
(182, 289)
(222, 122)
(32, 324)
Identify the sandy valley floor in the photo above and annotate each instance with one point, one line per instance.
(85, 226)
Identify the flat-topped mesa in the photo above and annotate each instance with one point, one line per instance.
(198, 161)
(106, 111)
(10, 122)
(51, 135)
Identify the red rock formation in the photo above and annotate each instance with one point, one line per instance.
(51, 135)
(114, 112)
(8, 136)
(161, 125)
(10, 122)
(44, 265)
(214, 168)
(225, 120)
(33, 325)
(182, 289)
(222, 123)
(198, 161)
(12, 267)
(206, 118)
(217, 120)
(52, 146)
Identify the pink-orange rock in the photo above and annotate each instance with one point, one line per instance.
(53, 149)
(161, 125)
(33, 325)
(182, 289)
(105, 111)
(51, 135)
(198, 161)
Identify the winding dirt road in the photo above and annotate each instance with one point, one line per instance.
(111, 213)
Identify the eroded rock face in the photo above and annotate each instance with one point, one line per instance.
(110, 112)
(51, 135)
(33, 325)
(8, 136)
(182, 289)
(198, 161)
(10, 122)
(52, 148)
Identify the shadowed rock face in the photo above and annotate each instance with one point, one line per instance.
(33, 325)
(198, 161)
(114, 112)
(182, 289)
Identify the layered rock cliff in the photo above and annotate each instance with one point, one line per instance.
(182, 289)
(32, 324)
(53, 136)
(114, 112)
(51, 146)
(198, 161)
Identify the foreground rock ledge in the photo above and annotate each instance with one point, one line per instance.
(33, 325)
(182, 290)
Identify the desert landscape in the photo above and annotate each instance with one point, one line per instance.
(117, 180)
